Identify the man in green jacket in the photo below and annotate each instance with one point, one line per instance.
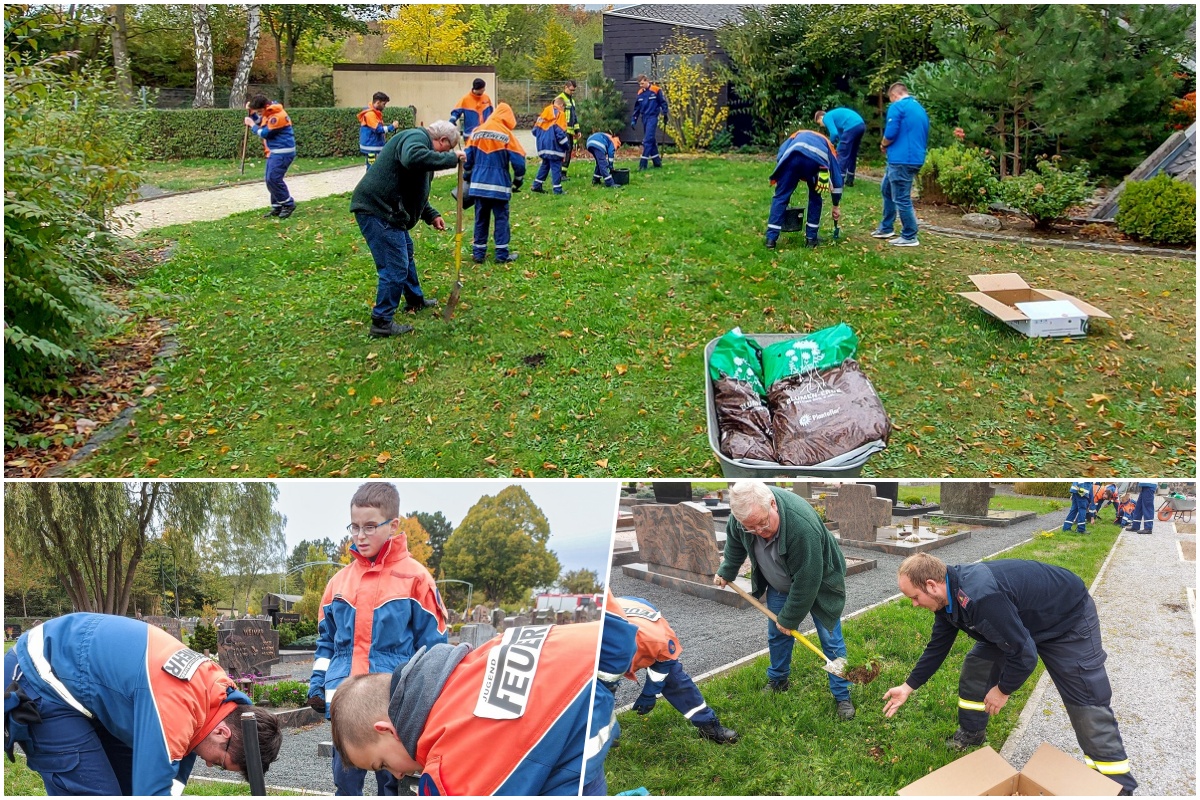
(800, 566)
(387, 203)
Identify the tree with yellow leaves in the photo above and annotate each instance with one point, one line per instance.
(418, 539)
(692, 91)
(427, 34)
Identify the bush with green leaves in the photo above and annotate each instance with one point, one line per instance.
(287, 634)
(962, 176)
(1161, 210)
(218, 132)
(604, 109)
(1044, 194)
(66, 166)
(205, 638)
(1043, 488)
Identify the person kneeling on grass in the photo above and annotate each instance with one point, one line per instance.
(805, 156)
(387, 203)
(658, 651)
(106, 705)
(510, 718)
(492, 151)
(603, 148)
(1016, 611)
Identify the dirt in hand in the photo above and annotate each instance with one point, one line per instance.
(864, 674)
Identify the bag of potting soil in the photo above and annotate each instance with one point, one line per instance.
(819, 415)
(821, 349)
(743, 420)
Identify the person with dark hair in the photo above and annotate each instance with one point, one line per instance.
(846, 129)
(572, 126)
(376, 612)
(271, 123)
(1017, 612)
(650, 103)
(372, 130)
(107, 705)
(473, 109)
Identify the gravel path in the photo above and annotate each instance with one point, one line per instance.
(715, 635)
(1150, 638)
(213, 204)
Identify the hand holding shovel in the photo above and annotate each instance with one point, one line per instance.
(835, 667)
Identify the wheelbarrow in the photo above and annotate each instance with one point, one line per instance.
(1177, 506)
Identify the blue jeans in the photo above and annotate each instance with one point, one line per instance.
(847, 150)
(392, 250)
(799, 167)
(780, 645)
(277, 167)
(348, 781)
(485, 209)
(897, 198)
(73, 754)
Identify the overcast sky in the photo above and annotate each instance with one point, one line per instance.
(581, 513)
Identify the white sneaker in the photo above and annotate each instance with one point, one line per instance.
(881, 234)
(900, 241)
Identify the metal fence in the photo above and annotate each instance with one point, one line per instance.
(530, 97)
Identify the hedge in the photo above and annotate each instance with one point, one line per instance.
(1043, 489)
(218, 132)
(1160, 210)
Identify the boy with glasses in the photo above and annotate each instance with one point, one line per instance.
(375, 614)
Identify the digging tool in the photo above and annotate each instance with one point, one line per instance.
(448, 312)
(245, 138)
(254, 767)
(835, 667)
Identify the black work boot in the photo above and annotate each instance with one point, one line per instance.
(776, 686)
(770, 243)
(845, 710)
(509, 258)
(274, 212)
(286, 212)
(716, 732)
(963, 740)
(427, 302)
(381, 329)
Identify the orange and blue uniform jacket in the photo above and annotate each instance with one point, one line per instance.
(137, 682)
(511, 718)
(550, 133)
(374, 616)
(372, 131)
(274, 127)
(650, 102)
(491, 151)
(472, 110)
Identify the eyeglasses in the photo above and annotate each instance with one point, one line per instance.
(762, 527)
(366, 530)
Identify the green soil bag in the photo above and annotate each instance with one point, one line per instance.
(739, 357)
(743, 419)
(819, 350)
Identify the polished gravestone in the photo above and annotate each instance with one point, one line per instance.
(968, 502)
(476, 634)
(858, 512)
(247, 647)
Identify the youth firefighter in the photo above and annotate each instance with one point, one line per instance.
(550, 133)
(372, 130)
(494, 169)
(806, 156)
(649, 104)
(1081, 506)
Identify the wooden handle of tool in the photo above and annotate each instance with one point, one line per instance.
(458, 222)
(795, 634)
(245, 138)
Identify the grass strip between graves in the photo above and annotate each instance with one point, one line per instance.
(793, 744)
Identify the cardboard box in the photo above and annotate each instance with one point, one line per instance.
(1050, 772)
(1033, 312)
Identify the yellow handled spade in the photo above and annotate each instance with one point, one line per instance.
(448, 311)
(835, 667)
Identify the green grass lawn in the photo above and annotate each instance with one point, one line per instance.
(793, 744)
(203, 173)
(586, 356)
(21, 781)
(999, 502)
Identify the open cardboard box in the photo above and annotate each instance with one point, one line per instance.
(1050, 772)
(1033, 312)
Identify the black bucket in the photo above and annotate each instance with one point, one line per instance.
(793, 220)
(620, 177)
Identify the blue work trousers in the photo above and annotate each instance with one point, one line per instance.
(680, 691)
(1142, 518)
(487, 209)
(897, 199)
(780, 646)
(798, 168)
(277, 167)
(550, 166)
(348, 781)
(650, 142)
(847, 150)
(392, 249)
(603, 168)
(1078, 514)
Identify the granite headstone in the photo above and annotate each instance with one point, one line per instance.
(169, 624)
(247, 647)
(858, 512)
(677, 540)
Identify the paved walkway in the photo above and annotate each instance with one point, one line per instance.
(1150, 636)
(214, 204)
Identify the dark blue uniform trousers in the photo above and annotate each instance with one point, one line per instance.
(550, 166)
(1075, 662)
(486, 209)
(277, 167)
(847, 150)
(602, 172)
(1078, 514)
(799, 168)
(1142, 518)
(650, 142)
(680, 691)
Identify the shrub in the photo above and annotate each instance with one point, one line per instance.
(1043, 489)
(961, 176)
(287, 634)
(1158, 210)
(205, 638)
(66, 166)
(218, 132)
(1044, 194)
(692, 92)
(604, 109)
(284, 693)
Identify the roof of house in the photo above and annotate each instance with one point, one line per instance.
(291, 598)
(699, 15)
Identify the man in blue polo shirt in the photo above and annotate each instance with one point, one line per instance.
(905, 138)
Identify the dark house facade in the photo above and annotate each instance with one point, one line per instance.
(634, 37)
